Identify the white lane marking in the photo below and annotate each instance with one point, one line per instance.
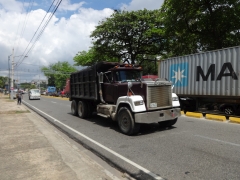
(102, 146)
(53, 102)
(225, 142)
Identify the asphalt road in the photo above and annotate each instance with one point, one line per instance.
(192, 149)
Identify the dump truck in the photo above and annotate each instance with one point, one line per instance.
(206, 82)
(117, 91)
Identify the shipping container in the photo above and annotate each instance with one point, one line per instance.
(208, 77)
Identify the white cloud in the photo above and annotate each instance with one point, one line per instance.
(141, 4)
(62, 38)
(66, 5)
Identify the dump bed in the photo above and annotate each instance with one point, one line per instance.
(212, 73)
(84, 83)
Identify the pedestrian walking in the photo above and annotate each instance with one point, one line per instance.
(19, 97)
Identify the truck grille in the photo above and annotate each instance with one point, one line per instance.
(159, 97)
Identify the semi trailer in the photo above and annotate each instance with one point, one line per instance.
(117, 91)
(207, 81)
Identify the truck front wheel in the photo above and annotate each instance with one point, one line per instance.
(74, 107)
(82, 109)
(126, 122)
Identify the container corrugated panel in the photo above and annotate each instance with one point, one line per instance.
(212, 73)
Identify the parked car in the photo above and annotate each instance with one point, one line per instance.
(34, 94)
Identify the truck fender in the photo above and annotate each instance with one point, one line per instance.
(135, 102)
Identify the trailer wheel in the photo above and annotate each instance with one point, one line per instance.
(229, 110)
(82, 109)
(74, 107)
(126, 122)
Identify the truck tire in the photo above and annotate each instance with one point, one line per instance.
(74, 107)
(229, 110)
(126, 122)
(82, 109)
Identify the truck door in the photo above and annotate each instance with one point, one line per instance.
(108, 87)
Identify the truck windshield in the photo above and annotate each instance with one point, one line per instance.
(127, 76)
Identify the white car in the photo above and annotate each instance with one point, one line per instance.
(34, 94)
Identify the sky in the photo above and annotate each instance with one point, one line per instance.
(66, 33)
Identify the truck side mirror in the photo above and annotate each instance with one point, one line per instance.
(129, 85)
(100, 77)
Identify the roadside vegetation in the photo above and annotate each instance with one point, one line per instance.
(143, 37)
(178, 28)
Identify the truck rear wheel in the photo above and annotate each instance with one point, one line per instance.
(74, 107)
(82, 109)
(126, 122)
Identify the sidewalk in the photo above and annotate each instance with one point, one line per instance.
(31, 148)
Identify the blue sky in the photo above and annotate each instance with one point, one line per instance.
(66, 34)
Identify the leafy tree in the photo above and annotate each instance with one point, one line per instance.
(129, 36)
(3, 80)
(25, 85)
(58, 73)
(199, 25)
(32, 86)
(85, 58)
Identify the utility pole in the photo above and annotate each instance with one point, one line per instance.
(12, 73)
(9, 83)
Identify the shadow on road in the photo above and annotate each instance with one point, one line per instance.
(109, 123)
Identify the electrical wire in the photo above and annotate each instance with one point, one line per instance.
(38, 28)
(25, 22)
(41, 32)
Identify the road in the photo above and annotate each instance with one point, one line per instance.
(192, 149)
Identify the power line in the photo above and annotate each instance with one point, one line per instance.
(25, 21)
(41, 32)
(38, 27)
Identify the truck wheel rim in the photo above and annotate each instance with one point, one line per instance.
(125, 123)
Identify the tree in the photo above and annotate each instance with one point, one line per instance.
(3, 80)
(58, 73)
(129, 36)
(89, 58)
(32, 86)
(196, 25)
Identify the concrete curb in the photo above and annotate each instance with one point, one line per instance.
(215, 117)
(234, 120)
(193, 114)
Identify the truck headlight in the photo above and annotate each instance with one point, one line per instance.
(175, 99)
(138, 103)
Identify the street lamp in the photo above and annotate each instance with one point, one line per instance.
(13, 73)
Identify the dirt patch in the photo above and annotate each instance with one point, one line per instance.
(14, 112)
(9, 100)
(4, 97)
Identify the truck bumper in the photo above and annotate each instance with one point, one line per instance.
(157, 116)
